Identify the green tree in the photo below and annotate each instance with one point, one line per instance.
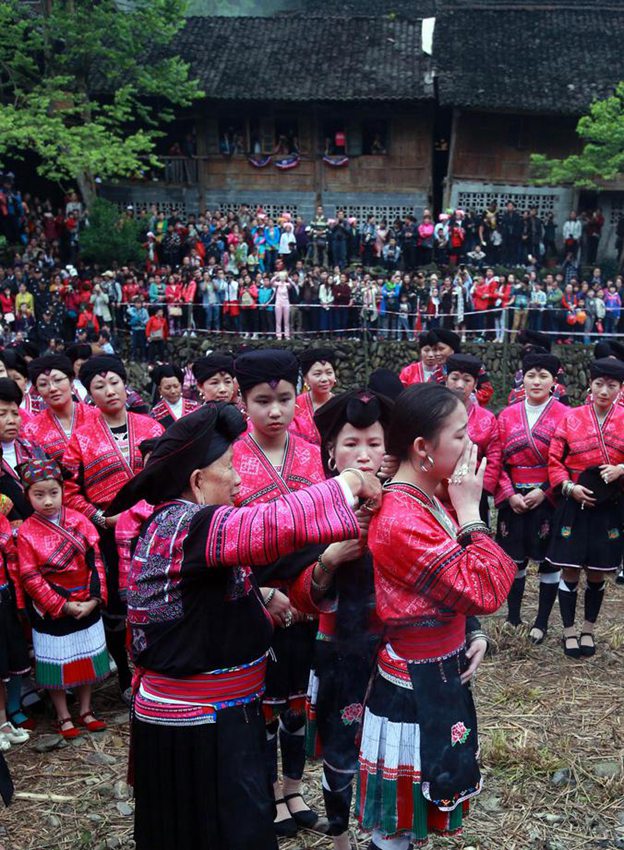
(85, 85)
(110, 237)
(602, 154)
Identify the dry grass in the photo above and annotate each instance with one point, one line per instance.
(539, 712)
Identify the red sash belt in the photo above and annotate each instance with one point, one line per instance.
(210, 689)
(427, 643)
(525, 476)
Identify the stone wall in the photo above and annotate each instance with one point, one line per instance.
(357, 358)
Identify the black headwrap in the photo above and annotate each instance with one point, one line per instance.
(537, 360)
(603, 349)
(192, 442)
(100, 365)
(427, 338)
(9, 391)
(266, 365)
(214, 363)
(12, 359)
(607, 368)
(386, 382)
(536, 339)
(79, 351)
(448, 338)
(44, 365)
(464, 363)
(359, 407)
(167, 370)
(310, 356)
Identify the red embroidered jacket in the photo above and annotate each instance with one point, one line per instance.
(525, 450)
(425, 582)
(414, 373)
(126, 533)
(579, 443)
(163, 413)
(46, 431)
(60, 563)
(261, 482)
(9, 570)
(98, 468)
(483, 431)
(303, 422)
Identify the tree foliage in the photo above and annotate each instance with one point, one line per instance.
(86, 85)
(602, 156)
(110, 237)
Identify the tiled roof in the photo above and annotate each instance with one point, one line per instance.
(551, 57)
(302, 58)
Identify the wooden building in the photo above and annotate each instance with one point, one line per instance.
(276, 85)
(513, 78)
(448, 120)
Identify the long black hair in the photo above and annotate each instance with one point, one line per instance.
(420, 411)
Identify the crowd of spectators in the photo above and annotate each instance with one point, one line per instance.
(246, 273)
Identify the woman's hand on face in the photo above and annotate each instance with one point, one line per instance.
(475, 655)
(466, 485)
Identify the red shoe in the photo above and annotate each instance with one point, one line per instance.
(94, 725)
(68, 734)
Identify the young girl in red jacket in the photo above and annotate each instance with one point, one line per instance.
(61, 571)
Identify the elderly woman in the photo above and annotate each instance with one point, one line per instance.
(201, 630)
(101, 456)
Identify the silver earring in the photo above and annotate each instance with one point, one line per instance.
(331, 464)
(424, 467)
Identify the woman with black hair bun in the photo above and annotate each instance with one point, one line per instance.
(339, 588)
(418, 757)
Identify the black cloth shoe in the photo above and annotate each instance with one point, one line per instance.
(286, 828)
(587, 650)
(307, 818)
(571, 651)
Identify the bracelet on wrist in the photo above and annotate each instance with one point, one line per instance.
(269, 597)
(358, 472)
(318, 586)
(471, 528)
(566, 488)
(323, 566)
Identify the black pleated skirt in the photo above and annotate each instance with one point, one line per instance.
(587, 538)
(525, 536)
(14, 660)
(203, 787)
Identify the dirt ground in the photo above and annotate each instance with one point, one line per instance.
(552, 738)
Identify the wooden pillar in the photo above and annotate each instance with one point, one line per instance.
(448, 180)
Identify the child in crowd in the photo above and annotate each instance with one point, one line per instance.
(14, 661)
(61, 571)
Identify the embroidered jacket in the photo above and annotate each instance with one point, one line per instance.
(261, 482)
(98, 467)
(425, 582)
(483, 431)
(414, 373)
(9, 570)
(127, 531)
(163, 413)
(193, 602)
(46, 431)
(303, 423)
(525, 450)
(580, 443)
(60, 563)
